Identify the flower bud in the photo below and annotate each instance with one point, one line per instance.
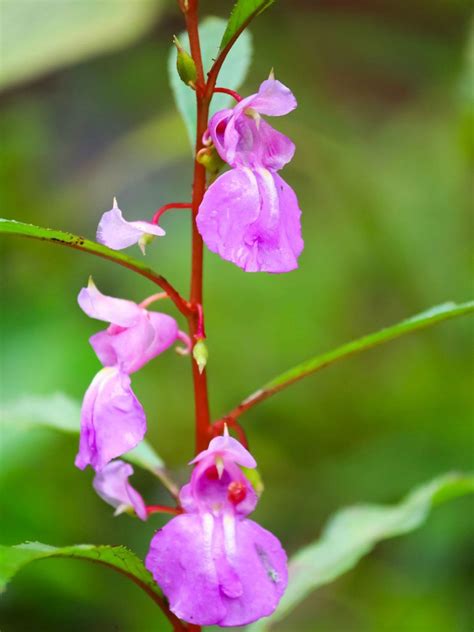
(200, 354)
(144, 241)
(210, 159)
(185, 65)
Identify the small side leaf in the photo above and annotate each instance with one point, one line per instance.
(354, 532)
(232, 73)
(243, 13)
(60, 412)
(119, 558)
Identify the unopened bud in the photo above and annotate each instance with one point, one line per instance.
(255, 479)
(200, 354)
(210, 159)
(144, 241)
(185, 65)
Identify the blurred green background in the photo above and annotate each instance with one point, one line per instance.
(382, 171)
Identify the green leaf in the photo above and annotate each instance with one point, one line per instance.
(121, 559)
(427, 318)
(39, 37)
(354, 532)
(59, 412)
(232, 74)
(12, 227)
(243, 13)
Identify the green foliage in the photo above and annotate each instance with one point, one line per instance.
(425, 319)
(119, 558)
(231, 76)
(242, 14)
(60, 412)
(38, 37)
(354, 532)
(12, 227)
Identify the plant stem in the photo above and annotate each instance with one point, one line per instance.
(235, 95)
(168, 207)
(201, 402)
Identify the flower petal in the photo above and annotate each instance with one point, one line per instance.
(218, 573)
(273, 99)
(230, 205)
(244, 141)
(112, 420)
(181, 561)
(227, 447)
(111, 310)
(261, 564)
(131, 348)
(117, 233)
(252, 218)
(112, 485)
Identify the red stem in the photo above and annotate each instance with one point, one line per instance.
(201, 402)
(152, 509)
(167, 207)
(230, 92)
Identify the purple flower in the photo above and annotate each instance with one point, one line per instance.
(112, 419)
(215, 566)
(243, 139)
(117, 233)
(250, 215)
(252, 218)
(135, 335)
(112, 485)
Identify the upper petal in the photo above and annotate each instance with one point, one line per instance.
(227, 447)
(117, 233)
(273, 99)
(112, 485)
(112, 420)
(112, 310)
(223, 133)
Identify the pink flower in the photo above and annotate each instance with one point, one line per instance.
(250, 215)
(112, 485)
(135, 335)
(243, 139)
(112, 420)
(117, 233)
(215, 566)
(252, 218)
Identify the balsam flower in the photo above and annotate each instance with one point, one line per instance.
(215, 566)
(243, 139)
(117, 233)
(112, 485)
(135, 335)
(112, 419)
(250, 215)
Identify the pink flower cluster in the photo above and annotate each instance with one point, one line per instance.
(215, 566)
(112, 419)
(249, 215)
